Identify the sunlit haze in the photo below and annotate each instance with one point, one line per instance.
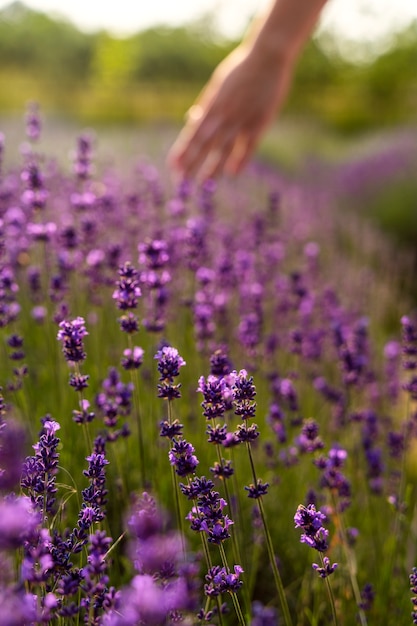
(354, 19)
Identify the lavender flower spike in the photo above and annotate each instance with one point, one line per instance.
(72, 334)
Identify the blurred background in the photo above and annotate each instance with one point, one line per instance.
(126, 67)
(124, 62)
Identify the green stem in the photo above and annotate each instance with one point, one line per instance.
(350, 563)
(330, 592)
(141, 448)
(235, 599)
(270, 547)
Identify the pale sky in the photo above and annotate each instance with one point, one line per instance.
(356, 19)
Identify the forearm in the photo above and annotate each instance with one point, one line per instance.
(283, 30)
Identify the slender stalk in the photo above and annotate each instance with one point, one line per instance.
(330, 592)
(136, 408)
(235, 599)
(277, 577)
(85, 425)
(175, 490)
(235, 545)
(349, 559)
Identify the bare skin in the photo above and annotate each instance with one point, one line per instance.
(244, 94)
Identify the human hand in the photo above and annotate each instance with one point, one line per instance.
(224, 125)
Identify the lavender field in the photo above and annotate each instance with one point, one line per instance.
(208, 409)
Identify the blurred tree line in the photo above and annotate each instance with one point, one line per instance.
(157, 73)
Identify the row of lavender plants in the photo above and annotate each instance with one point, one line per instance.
(208, 411)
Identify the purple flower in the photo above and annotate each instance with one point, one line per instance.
(39, 472)
(263, 615)
(132, 358)
(413, 588)
(19, 521)
(214, 390)
(129, 323)
(327, 568)
(310, 520)
(33, 122)
(220, 580)
(169, 363)
(170, 430)
(258, 490)
(182, 457)
(409, 343)
(17, 607)
(127, 292)
(83, 157)
(217, 434)
(12, 443)
(307, 518)
(223, 469)
(71, 334)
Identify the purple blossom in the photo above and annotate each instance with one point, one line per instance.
(71, 334)
(409, 342)
(219, 580)
(12, 443)
(223, 469)
(169, 363)
(127, 292)
(83, 157)
(19, 521)
(39, 472)
(182, 457)
(258, 490)
(327, 568)
(33, 122)
(132, 358)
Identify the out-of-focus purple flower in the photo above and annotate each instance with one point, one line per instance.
(35, 195)
(33, 122)
(19, 521)
(129, 323)
(222, 470)
(145, 601)
(367, 597)
(132, 358)
(220, 364)
(258, 490)
(409, 342)
(309, 440)
(71, 334)
(246, 433)
(127, 292)
(413, 588)
(392, 354)
(82, 163)
(17, 607)
(263, 615)
(153, 254)
(12, 444)
(170, 430)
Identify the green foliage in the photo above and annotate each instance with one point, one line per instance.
(102, 77)
(54, 50)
